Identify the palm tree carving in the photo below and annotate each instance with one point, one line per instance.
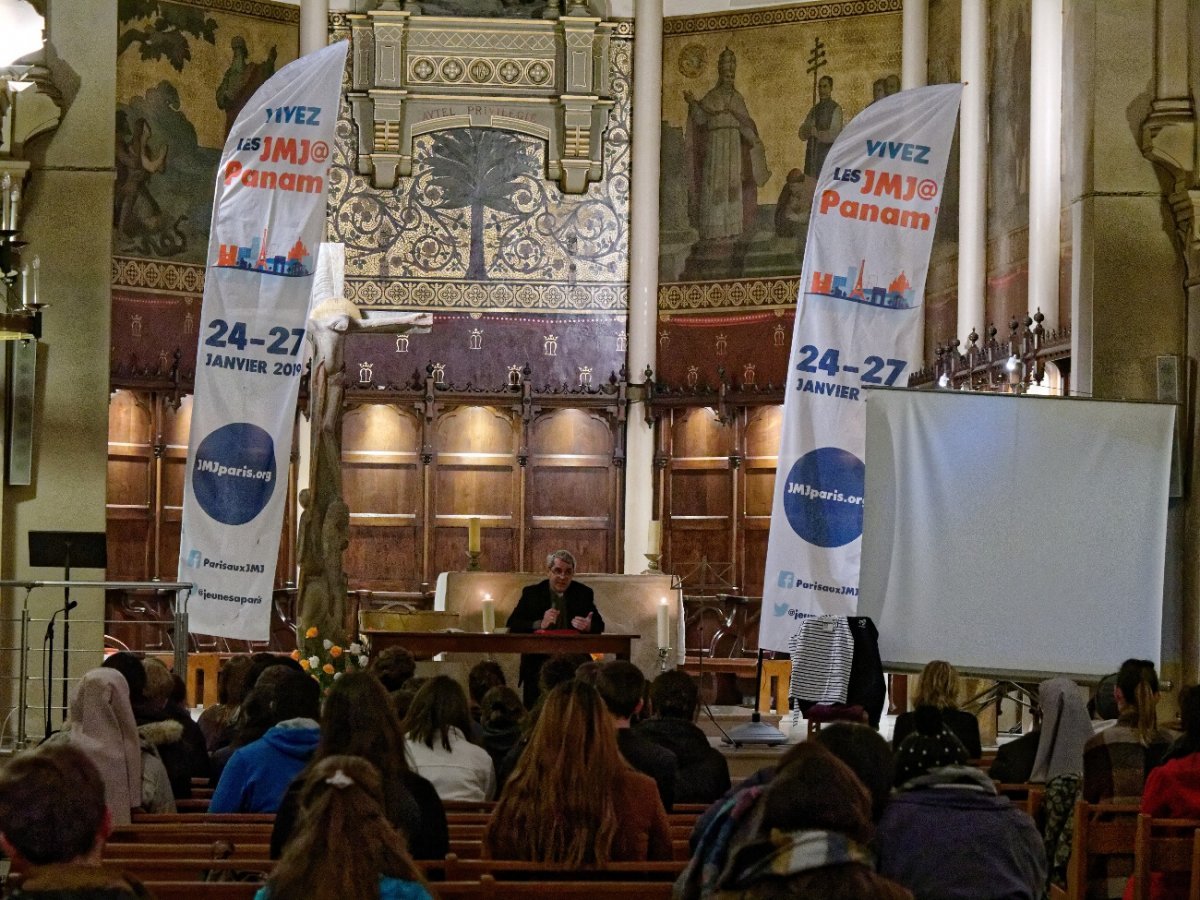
(479, 169)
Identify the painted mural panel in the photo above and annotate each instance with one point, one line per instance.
(516, 272)
(184, 71)
(752, 102)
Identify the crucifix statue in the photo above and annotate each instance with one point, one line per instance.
(324, 531)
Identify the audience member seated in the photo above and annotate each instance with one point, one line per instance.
(572, 799)
(501, 719)
(402, 697)
(182, 748)
(257, 711)
(558, 669)
(393, 666)
(1173, 791)
(216, 721)
(436, 731)
(258, 774)
(344, 845)
(358, 720)
(1055, 745)
(621, 685)
(701, 774)
(813, 840)
(946, 834)
(100, 723)
(1116, 760)
(938, 687)
(868, 755)
(53, 823)
(484, 675)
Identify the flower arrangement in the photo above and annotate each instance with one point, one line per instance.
(326, 661)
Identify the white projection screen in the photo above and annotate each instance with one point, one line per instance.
(1014, 536)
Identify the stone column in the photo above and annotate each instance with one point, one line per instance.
(643, 274)
(915, 43)
(1045, 160)
(972, 157)
(314, 25)
(67, 222)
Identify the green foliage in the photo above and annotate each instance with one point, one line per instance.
(163, 29)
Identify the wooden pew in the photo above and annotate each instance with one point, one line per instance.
(198, 850)
(203, 890)
(183, 869)
(1162, 846)
(516, 870)
(1028, 797)
(486, 888)
(1103, 831)
(144, 818)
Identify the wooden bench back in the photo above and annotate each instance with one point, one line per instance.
(1162, 846)
(1102, 831)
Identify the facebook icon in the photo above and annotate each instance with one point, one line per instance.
(194, 559)
(787, 580)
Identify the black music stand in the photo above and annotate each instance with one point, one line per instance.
(52, 549)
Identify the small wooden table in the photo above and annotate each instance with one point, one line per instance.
(428, 643)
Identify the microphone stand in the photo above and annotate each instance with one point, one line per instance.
(48, 653)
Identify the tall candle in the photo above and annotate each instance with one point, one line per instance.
(5, 183)
(489, 614)
(664, 625)
(37, 265)
(473, 534)
(654, 538)
(14, 200)
(25, 285)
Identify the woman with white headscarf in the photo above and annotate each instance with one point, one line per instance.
(1066, 727)
(101, 724)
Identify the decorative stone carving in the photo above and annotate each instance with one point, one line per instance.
(417, 74)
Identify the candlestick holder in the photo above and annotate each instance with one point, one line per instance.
(662, 658)
(652, 563)
(473, 560)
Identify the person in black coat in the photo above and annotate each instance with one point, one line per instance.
(621, 685)
(702, 774)
(939, 688)
(558, 603)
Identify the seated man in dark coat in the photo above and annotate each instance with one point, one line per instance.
(558, 603)
(702, 774)
(621, 684)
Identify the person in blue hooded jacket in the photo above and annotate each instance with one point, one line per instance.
(257, 776)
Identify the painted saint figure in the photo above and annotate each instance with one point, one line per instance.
(729, 161)
(820, 127)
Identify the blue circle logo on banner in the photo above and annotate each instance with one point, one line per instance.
(235, 472)
(823, 497)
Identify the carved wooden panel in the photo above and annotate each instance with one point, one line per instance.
(475, 473)
(718, 483)
(383, 484)
(175, 426)
(131, 484)
(571, 490)
(698, 498)
(762, 432)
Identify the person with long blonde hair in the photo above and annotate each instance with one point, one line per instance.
(572, 798)
(1116, 761)
(938, 688)
(344, 847)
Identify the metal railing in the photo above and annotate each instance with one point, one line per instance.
(179, 630)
